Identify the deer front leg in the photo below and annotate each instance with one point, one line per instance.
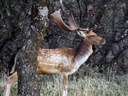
(64, 84)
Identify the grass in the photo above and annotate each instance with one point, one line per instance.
(95, 84)
(88, 86)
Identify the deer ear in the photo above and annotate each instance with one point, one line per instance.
(81, 33)
(87, 29)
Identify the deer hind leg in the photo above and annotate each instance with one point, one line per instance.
(10, 81)
(64, 84)
(7, 88)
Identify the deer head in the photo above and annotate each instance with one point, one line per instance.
(86, 33)
(91, 37)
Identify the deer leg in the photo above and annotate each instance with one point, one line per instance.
(10, 81)
(6, 90)
(64, 84)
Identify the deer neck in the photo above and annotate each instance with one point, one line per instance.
(83, 52)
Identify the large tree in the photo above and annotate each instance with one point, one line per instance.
(22, 29)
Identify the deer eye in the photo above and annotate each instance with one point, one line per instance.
(87, 32)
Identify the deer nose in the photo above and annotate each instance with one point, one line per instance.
(103, 41)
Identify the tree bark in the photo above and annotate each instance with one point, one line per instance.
(33, 30)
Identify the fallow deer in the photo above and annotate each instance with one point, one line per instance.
(65, 61)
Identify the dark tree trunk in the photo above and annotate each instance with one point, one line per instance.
(28, 80)
(33, 30)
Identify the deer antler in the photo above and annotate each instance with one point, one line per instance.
(57, 19)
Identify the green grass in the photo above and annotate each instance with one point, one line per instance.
(88, 86)
(95, 84)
